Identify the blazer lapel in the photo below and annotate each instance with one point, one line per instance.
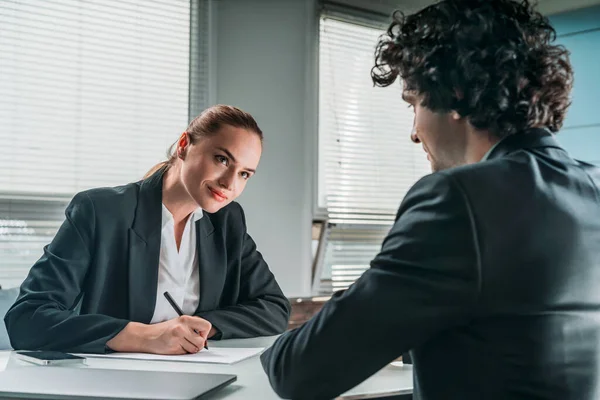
(144, 249)
(211, 264)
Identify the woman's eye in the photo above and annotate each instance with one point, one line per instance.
(222, 159)
(245, 175)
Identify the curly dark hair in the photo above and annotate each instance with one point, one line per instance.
(492, 61)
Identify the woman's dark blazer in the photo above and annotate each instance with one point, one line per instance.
(101, 271)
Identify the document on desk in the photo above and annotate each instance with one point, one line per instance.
(216, 355)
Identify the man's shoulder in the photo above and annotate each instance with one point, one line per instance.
(464, 176)
(486, 169)
(506, 183)
(593, 171)
(522, 166)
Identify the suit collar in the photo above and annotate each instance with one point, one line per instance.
(211, 260)
(532, 139)
(144, 247)
(148, 213)
(167, 217)
(147, 222)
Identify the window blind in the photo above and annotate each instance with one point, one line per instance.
(367, 162)
(200, 46)
(26, 226)
(93, 93)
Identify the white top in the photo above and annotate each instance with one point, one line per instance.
(177, 270)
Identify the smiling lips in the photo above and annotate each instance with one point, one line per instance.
(217, 195)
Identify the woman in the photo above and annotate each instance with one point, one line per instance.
(99, 285)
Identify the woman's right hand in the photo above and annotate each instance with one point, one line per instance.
(181, 335)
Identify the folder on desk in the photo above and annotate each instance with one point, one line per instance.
(216, 355)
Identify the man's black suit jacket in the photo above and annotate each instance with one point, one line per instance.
(101, 272)
(490, 275)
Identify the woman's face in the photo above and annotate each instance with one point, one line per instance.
(215, 169)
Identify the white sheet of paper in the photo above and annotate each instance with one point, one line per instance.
(216, 355)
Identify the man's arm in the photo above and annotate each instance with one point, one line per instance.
(424, 280)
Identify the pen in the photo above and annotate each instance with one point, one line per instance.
(178, 311)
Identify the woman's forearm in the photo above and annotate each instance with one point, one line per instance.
(133, 338)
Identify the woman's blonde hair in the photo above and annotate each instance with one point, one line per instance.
(208, 123)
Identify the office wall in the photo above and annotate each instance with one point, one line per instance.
(579, 31)
(265, 64)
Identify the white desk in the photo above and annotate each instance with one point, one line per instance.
(252, 383)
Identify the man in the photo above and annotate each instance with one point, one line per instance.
(491, 272)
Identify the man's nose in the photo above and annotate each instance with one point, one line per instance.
(414, 137)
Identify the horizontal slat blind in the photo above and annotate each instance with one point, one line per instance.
(200, 38)
(350, 249)
(367, 162)
(93, 93)
(26, 226)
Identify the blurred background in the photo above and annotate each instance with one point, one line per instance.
(93, 92)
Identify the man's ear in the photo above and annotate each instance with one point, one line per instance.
(459, 97)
